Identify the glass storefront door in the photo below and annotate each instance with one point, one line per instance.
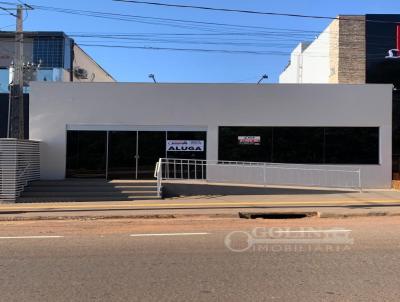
(152, 146)
(122, 154)
(86, 154)
(126, 154)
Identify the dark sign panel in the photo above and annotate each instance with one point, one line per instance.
(382, 44)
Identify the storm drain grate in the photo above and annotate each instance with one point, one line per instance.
(280, 215)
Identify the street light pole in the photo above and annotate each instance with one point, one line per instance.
(263, 77)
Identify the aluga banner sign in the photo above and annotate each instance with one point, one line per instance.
(185, 145)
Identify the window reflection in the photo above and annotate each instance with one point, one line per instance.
(86, 154)
(4, 78)
(308, 145)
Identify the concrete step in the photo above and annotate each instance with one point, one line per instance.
(91, 182)
(118, 194)
(81, 199)
(90, 188)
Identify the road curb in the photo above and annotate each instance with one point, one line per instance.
(105, 217)
(354, 215)
(237, 215)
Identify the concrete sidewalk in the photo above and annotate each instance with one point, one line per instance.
(326, 203)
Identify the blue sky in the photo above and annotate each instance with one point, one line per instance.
(133, 65)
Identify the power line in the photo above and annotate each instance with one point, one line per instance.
(181, 49)
(225, 51)
(192, 24)
(229, 10)
(277, 35)
(261, 48)
(146, 19)
(178, 23)
(8, 11)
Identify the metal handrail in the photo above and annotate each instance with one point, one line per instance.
(156, 170)
(158, 175)
(188, 169)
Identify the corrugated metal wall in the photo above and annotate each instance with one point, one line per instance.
(19, 164)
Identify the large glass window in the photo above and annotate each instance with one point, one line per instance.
(130, 154)
(298, 145)
(49, 75)
(245, 144)
(86, 154)
(352, 145)
(302, 145)
(49, 50)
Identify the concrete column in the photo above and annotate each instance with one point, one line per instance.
(212, 142)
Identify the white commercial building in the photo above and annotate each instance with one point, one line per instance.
(119, 130)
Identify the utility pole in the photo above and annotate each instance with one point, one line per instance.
(16, 129)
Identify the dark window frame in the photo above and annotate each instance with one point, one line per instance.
(315, 151)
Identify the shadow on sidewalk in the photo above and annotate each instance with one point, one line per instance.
(187, 189)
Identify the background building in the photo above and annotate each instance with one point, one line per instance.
(60, 58)
(353, 50)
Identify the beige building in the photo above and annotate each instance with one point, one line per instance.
(83, 62)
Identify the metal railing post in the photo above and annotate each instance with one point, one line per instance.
(265, 175)
(159, 177)
(182, 177)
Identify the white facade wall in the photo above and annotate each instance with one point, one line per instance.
(292, 73)
(310, 64)
(54, 107)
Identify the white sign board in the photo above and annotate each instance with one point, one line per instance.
(249, 140)
(185, 145)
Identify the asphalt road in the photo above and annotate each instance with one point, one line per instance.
(183, 260)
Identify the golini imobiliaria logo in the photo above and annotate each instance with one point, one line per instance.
(281, 239)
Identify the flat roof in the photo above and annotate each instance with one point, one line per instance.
(33, 34)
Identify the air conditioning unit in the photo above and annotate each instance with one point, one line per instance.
(80, 73)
